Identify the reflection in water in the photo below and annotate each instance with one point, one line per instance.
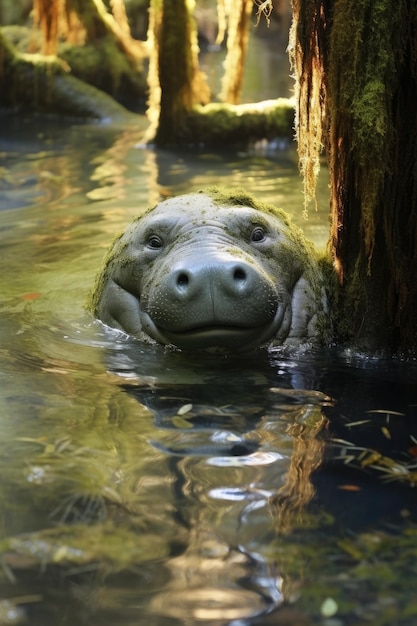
(177, 473)
(144, 486)
(230, 452)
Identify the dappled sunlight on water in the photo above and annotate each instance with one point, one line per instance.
(145, 486)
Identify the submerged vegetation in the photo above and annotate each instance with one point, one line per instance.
(102, 526)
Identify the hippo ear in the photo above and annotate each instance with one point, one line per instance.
(119, 309)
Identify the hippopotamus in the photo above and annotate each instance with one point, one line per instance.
(212, 270)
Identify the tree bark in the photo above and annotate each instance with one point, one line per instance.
(356, 67)
(98, 23)
(176, 83)
(238, 22)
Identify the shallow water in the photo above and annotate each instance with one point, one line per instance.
(143, 486)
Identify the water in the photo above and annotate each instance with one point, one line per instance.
(142, 486)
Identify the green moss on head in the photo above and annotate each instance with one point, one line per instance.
(234, 197)
(103, 275)
(238, 196)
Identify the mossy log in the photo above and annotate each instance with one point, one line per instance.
(101, 64)
(220, 125)
(43, 84)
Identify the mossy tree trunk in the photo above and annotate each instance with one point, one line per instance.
(176, 83)
(356, 67)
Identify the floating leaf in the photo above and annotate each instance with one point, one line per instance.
(31, 296)
(385, 412)
(386, 432)
(181, 422)
(349, 487)
(186, 408)
(329, 607)
(358, 423)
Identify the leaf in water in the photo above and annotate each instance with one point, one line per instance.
(31, 296)
(386, 432)
(358, 423)
(186, 408)
(349, 487)
(351, 549)
(385, 412)
(329, 607)
(370, 458)
(181, 422)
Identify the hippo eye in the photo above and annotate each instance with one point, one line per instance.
(258, 234)
(154, 242)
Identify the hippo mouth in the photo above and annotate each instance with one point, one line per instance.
(226, 336)
(230, 337)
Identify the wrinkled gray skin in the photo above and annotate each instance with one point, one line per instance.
(197, 275)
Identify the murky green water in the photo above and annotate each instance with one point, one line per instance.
(140, 486)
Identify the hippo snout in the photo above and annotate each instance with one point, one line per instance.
(234, 279)
(231, 279)
(208, 293)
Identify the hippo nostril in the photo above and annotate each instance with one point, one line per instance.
(239, 274)
(182, 279)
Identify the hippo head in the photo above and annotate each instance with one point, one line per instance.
(211, 270)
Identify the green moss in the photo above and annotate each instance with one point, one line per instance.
(102, 64)
(219, 125)
(356, 58)
(102, 277)
(42, 84)
(361, 77)
(240, 197)
(356, 92)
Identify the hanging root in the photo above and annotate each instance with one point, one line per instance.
(307, 64)
(265, 8)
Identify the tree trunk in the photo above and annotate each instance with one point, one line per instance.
(356, 67)
(60, 17)
(238, 22)
(176, 83)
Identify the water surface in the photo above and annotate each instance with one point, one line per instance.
(144, 486)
